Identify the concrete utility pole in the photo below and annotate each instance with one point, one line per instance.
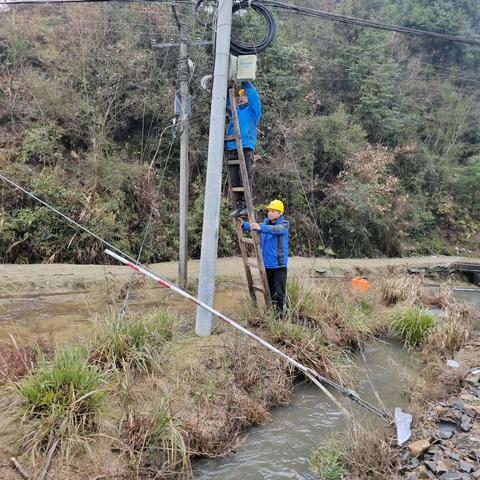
(185, 106)
(184, 133)
(213, 188)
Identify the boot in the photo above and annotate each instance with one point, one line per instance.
(239, 206)
(243, 213)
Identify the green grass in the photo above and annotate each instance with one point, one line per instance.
(60, 400)
(301, 299)
(412, 324)
(133, 342)
(327, 461)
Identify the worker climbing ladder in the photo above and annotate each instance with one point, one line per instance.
(250, 247)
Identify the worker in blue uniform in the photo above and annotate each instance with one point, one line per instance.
(249, 111)
(274, 240)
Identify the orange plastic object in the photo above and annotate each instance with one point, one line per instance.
(360, 284)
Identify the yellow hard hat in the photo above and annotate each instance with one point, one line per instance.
(241, 92)
(276, 205)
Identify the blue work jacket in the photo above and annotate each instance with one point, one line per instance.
(249, 116)
(274, 239)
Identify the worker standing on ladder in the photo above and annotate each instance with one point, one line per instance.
(274, 238)
(249, 113)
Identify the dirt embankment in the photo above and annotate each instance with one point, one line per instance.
(48, 279)
(58, 300)
(193, 376)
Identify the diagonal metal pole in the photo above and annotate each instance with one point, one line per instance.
(314, 376)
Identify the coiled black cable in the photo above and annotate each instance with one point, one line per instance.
(237, 47)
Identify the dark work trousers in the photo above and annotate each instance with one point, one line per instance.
(234, 172)
(277, 282)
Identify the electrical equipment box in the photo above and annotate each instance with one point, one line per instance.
(243, 68)
(246, 68)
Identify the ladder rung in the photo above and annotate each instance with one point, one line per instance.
(238, 189)
(254, 265)
(248, 240)
(229, 138)
(233, 162)
(258, 289)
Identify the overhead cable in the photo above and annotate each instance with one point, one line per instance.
(289, 8)
(237, 46)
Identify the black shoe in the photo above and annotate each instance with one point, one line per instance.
(243, 212)
(241, 209)
(235, 213)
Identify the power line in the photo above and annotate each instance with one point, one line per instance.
(335, 17)
(464, 73)
(44, 2)
(289, 8)
(434, 75)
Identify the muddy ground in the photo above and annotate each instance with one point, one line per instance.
(58, 300)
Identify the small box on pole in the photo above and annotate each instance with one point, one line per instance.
(246, 68)
(243, 68)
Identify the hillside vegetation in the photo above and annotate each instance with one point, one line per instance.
(371, 138)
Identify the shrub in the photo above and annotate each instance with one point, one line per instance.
(412, 324)
(132, 342)
(61, 401)
(42, 144)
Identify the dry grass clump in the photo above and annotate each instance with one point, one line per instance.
(440, 381)
(403, 288)
(155, 442)
(222, 385)
(440, 298)
(451, 331)
(338, 315)
(310, 349)
(370, 454)
(365, 453)
(17, 358)
(437, 382)
(454, 325)
(321, 324)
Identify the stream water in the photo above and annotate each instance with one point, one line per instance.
(282, 448)
(279, 449)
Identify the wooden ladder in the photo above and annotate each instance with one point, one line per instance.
(250, 247)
